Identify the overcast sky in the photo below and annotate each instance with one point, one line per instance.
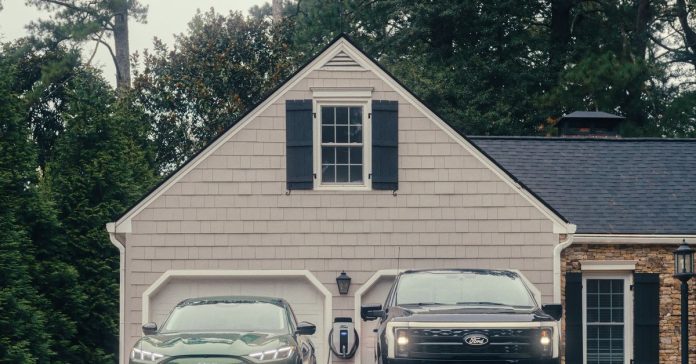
(164, 19)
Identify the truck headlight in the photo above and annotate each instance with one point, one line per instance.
(545, 338)
(276, 354)
(144, 355)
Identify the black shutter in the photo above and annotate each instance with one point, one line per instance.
(298, 144)
(385, 145)
(573, 301)
(646, 318)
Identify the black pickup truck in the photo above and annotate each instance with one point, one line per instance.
(464, 316)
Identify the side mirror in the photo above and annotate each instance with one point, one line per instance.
(150, 328)
(370, 312)
(306, 328)
(554, 310)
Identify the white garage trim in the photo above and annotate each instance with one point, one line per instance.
(358, 300)
(170, 274)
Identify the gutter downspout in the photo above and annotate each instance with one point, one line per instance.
(557, 250)
(111, 229)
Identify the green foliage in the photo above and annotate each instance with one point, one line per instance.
(22, 335)
(222, 66)
(81, 20)
(98, 171)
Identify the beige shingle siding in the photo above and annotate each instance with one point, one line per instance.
(232, 212)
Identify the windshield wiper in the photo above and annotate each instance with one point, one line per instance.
(484, 303)
(424, 303)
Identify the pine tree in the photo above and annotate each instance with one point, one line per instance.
(22, 323)
(98, 171)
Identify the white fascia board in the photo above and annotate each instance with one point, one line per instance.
(559, 225)
(657, 239)
(190, 165)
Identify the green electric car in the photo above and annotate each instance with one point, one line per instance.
(229, 330)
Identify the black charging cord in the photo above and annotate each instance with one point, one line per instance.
(346, 356)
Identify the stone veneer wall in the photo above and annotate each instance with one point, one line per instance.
(650, 259)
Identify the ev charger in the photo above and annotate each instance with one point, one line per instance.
(343, 338)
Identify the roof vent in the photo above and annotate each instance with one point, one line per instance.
(342, 61)
(592, 124)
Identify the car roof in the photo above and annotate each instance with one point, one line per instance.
(232, 299)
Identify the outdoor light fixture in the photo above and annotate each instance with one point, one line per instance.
(343, 282)
(684, 270)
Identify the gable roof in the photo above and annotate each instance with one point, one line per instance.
(607, 186)
(343, 46)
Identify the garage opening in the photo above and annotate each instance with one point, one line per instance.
(310, 300)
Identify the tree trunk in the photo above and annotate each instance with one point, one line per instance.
(641, 36)
(277, 11)
(123, 78)
(560, 34)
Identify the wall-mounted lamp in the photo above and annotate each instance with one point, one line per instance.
(343, 282)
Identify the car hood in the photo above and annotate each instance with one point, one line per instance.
(457, 313)
(232, 344)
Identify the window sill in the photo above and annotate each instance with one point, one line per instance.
(340, 187)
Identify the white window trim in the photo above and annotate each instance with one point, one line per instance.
(608, 265)
(366, 104)
(627, 276)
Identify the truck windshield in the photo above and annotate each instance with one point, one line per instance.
(492, 288)
(227, 317)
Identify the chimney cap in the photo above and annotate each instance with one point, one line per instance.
(591, 115)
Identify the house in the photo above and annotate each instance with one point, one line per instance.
(342, 168)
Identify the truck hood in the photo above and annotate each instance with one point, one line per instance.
(228, 344)
(445, 313)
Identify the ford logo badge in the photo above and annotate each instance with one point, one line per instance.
(476, 339)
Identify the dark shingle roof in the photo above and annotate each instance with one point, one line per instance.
(623, 186)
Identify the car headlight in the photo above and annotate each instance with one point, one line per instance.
(144, 355)
(545, 338)
(276, 354)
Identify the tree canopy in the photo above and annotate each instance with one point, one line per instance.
(75, 153)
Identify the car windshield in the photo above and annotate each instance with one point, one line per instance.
(491, 288)
(227, 317)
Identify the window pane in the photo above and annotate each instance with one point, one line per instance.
(356, 134)
(341, 173)
(342, 155)
(341, 115)
(355, 115)
(341, 134)
(328, 155)
(327, 115)
(328, 173)
(605, 328)
(327, 134)
(355, 155)
(356, 173)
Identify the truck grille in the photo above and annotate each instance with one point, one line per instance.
(449, 344)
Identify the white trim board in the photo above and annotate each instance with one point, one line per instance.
(343, 45)
(607, 265)
(189, 273)
(667, 239)
(358, 295)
